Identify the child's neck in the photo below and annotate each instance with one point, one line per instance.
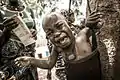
(70, 52)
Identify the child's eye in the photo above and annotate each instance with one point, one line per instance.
(59, 26)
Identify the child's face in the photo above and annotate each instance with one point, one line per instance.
(58, 31)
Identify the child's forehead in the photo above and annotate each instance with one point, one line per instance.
(52, 19)
(55, 16)
(54, 24)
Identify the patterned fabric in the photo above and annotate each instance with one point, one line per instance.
(13, 49)
(60, 69)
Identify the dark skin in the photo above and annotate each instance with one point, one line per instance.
(6, 28)
(93, 19)
(73, 49)
(15, 7)
(7, 25)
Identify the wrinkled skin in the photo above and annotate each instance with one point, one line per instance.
(10, 23)
(58, 33)
(13, 47)
(7, 26)
(73, 48)
(93, 19)
(70, 18)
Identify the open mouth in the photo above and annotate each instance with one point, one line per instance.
(62, 39)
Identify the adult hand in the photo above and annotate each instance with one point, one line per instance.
(34, 33)
(11, 23)
(23, 61)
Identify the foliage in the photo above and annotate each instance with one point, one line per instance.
(42, 7)
(51, 5)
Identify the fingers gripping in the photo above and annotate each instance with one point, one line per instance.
(22, 61)
(93, 19)
(11, 23)
(8, 20)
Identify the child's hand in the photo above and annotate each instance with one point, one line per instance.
(93, 19)
(23, 61)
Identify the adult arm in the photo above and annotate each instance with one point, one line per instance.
(4, 36)
(6, 28)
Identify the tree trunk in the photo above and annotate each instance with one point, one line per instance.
(109, 36)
